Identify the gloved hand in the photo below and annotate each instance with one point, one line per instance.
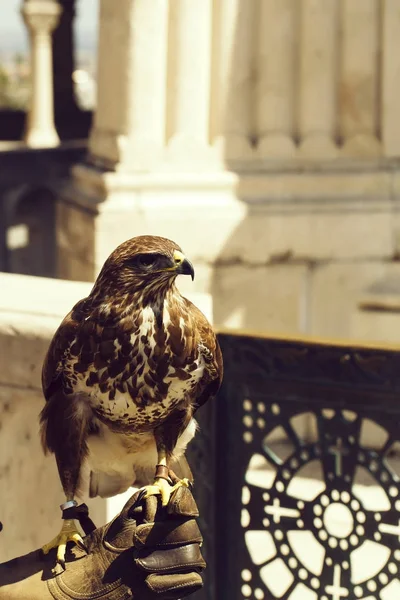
(167, 545)
(147, 552)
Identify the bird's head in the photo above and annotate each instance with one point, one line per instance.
(142, 264)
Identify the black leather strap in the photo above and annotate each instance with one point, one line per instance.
(81, 514)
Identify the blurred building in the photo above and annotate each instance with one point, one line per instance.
(262, 135)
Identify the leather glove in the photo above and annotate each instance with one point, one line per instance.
(167, 547)
(147, 552)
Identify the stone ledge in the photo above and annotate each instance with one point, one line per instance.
(31, 309)
(42, 299)
(319, 184)
(319, 164)
(316, 188)
(253, 217)
(382, 295)
(39, 295)
(378, 315)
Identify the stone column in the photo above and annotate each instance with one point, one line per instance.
(318, 53)
(188, 83)
(359, 78)
(151, 166)
(232, 124)
(41, 17)
(275, 88)
(129, 123)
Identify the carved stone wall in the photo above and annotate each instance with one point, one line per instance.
(248, 80)
(262, 135)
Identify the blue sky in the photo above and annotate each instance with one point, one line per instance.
(12, 30)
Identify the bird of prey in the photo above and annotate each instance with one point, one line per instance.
(124, 374)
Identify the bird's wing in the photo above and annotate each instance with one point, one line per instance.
(65, 418)
(52, 380)
(210, 350)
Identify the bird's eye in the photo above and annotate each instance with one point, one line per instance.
(146, 260)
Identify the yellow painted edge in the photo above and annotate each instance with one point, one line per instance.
(308, 339)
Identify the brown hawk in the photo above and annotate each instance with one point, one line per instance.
(125, 372)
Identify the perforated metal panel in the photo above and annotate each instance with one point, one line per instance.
(297, 516)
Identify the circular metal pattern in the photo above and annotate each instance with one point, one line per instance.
(337, 513)
(284, 513)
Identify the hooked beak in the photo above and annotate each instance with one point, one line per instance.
(183, 265)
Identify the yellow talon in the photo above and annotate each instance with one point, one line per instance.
(68, 533)
(162, 488)
(181, 483)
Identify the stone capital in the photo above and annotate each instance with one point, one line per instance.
(41, 16)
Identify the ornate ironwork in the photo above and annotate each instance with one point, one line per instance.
(268, 385)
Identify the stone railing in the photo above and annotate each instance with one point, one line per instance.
(31, 308)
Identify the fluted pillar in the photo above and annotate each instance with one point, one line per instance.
(41, 17)
(275, 89)
(152, 164)
(232, 123)
(318, 62)
(359, 78)
(184, 86)
(129, 124)
(188, 82)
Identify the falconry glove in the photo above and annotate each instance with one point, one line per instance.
(147, 552)
(167, 546)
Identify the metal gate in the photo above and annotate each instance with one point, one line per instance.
(285, 407)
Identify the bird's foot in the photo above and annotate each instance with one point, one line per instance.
(162, 488)
(68, 533)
